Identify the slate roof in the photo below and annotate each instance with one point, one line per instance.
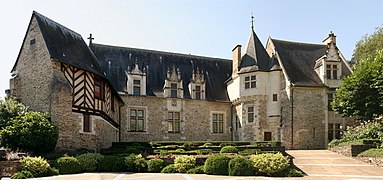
(299, 59)
(67, 46)
(216, 70)
(255, 57)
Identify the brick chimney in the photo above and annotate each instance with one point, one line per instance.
(236, 58)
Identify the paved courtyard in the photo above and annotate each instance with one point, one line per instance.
(317, 164)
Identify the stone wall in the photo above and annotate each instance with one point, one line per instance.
(308, 125)
(7, 168)
(195, 119)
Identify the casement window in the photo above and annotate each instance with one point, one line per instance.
(275, 97)
(332, 71)
(250, 82)
(197, 92)
(98, 88)
(173, 90)
(250, 114)
(217, 123)
(136, 87)
(330, 97)
(137, 119)
(334, 131)
(174, 123)
(86, 123)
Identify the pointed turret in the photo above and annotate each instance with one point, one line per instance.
(255, 53)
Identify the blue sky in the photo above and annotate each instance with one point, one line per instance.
(199, 27)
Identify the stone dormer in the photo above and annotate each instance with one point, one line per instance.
(329, 66)
(173, 83)
(136, 83)
(197, 85)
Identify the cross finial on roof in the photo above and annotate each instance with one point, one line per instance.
(90, 38)
(252, 21)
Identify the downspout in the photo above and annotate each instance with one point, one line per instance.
(292, 114)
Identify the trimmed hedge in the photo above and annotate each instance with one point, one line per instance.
(217, 165)
(112, 164)
(89, 161)
(169, 169)
(229, 149)
(270, 164)
(196, 170)
(68, 165)
(240, 166)
(155, 165)
(37, 166)
(184, 163)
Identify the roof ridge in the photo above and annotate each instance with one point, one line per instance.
(163, 52)
(295, 42)
(50, 21)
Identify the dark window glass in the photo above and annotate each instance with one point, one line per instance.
(275, 97)
(137, 90)
(86, 123)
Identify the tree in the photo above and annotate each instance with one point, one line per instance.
(25, 130)
(361, 94)
(368, 46)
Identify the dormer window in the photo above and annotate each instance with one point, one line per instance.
(136, 87)
(332, 71)
(250, 82)
(173, 90)
(197, 85)
(136, 84)
(173, 84)
(98, 88)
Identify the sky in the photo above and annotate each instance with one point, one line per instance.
(200, 27)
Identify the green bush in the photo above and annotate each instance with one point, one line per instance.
(155, 165)
(270, 164)
(217, 165)
(204, 151)
(30, 132)
(169, 169)
(131, 150)
(22, 175)
(207, 144)
(247, 152)
(52, 172)
(196, 170)
(240, 166)
(38, 166)
(223, 144)
(140, 165)
(366, 130)
(291, 172)
(184, 163)
(372, 153)
(112, 164)
(229, 149)
(10, 108)
(89, 161)
(68, 165)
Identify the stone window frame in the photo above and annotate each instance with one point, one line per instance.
(250, 113)
(171, 122)
(332, 71)
(81, 123)
(251, 82)
(223, 122)
(145, 118)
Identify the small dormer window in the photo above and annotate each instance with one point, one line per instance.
(332, 71)
(250, 82)
(136, 87)
(198, 92)
(173, 90)
(197, 85)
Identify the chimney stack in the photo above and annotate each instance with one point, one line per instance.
(236, 59)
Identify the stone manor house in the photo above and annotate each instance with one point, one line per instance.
(97, 94)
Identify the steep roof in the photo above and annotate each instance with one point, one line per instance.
(255, 57)
(298, 60)
(115, 61)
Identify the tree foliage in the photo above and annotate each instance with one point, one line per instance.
(368, 46)
(25, 130)
(361, 94)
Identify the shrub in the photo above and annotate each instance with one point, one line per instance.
(204, 151)
(249, 152)
(240, 166)
(217, 165)
(155, 165)
(68, 165)
(89, 161)
(130, 162)
(140, 165)
(196, 170)
(372, 153)
(169, 169)
(366, 130)
(291, 172)
(10, 108)
(38, 166)
(131, 150)
(207, 144)
(52, 172)
(223, 144)
(22, 175)
(112, 164)
(270, 164)
(184, 163)
(31, 132)
(229, 149)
